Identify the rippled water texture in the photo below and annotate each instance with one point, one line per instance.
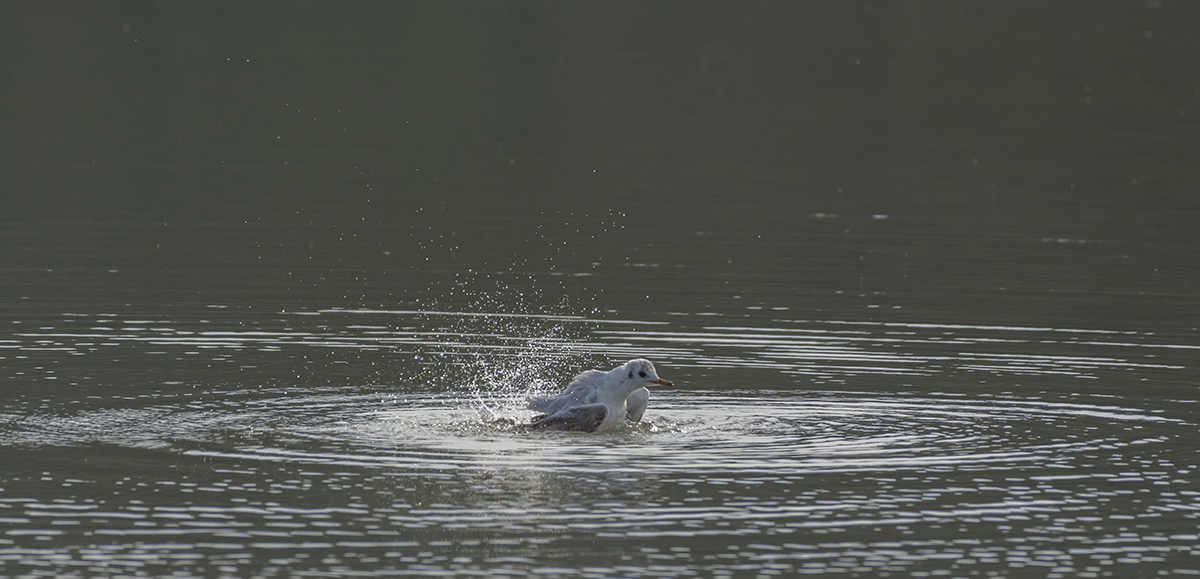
(276, 280)
(930, 468)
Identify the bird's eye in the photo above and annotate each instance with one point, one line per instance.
(642, 374)
(631, 373)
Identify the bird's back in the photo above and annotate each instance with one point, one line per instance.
(581, 391)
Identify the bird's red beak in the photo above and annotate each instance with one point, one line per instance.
(663, 382)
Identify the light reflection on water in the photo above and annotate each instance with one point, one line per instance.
(760, 461)
(824, 350)
(927, 289)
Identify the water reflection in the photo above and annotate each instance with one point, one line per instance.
(379, 480)
(925, 279)
(791, 433)
(819, 350)
(765, 458)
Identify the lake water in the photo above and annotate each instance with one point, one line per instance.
(925, 279)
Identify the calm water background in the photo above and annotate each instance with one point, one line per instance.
(925, 276)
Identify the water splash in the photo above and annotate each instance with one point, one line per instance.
(493, 362)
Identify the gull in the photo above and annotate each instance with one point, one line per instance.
(596, 400)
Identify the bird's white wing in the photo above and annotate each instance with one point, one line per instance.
(581, 390)
(584, 418)
(635, 405)
(592, 377)
(574, 396)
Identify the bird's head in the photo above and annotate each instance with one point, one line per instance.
(640, 373)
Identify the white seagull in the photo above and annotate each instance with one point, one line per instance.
(597, 400)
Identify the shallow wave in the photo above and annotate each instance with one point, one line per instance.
(416, 473)
(782, 432)
(773, 475)
(818, 351)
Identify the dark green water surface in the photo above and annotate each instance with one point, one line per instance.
(926, 277)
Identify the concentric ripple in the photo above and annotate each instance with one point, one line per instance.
(772, 475)
(791, 447)
(783, 432)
